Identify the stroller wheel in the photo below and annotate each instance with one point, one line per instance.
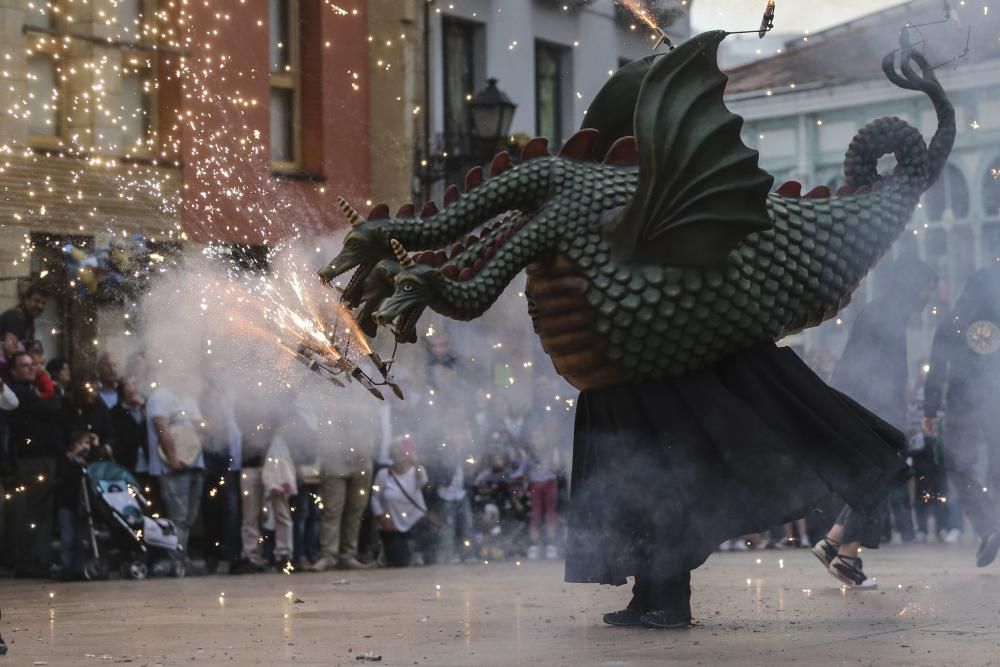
(135, 569)
(95, 569)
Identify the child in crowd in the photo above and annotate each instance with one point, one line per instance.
(544, 468)
(44, 386)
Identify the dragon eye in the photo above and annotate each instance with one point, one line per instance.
(407, 287)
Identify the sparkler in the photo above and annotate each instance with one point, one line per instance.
(643, 15)
(337, 368)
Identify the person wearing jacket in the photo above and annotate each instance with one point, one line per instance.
(965, 361)
(34, 439)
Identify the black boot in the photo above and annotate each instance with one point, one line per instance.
(631, 615)
(670, 606)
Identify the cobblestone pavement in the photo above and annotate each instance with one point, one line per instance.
(932, 607)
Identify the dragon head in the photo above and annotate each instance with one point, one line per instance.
(377, 287)
(364, 246)
(416, 286)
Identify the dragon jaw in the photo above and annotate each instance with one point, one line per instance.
(416, 288)
(364, 247)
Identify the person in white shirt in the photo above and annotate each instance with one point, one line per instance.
(399, 506)
(181, 473)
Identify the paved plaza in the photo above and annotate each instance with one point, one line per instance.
(932, 607)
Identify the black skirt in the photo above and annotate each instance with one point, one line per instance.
(664, 472)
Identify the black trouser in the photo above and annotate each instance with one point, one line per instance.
(902, 514)
(31, 514)
(220, 510)
(863, 527)
(931, 489)
(963, 433)
(397, 545)
(672, 594)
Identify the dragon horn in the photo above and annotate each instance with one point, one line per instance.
(404, 259)
(353, 216)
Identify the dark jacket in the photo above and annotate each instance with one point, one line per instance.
(17, 321)
(965, 354)
(35, 427)
(130, 435)
(94, 418)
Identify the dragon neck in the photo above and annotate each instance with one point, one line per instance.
(468, 299)
(524, 187)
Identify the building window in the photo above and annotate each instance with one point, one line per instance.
(138, 82)
(459, 61)
(549, 75)
(138, 87)
(43, 104)
(38, 15)
(950, 193)
(283, 58)
(130, 18)
(43, 97)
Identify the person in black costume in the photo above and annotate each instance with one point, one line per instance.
(664, 472)
(965, 359)
(873, 370)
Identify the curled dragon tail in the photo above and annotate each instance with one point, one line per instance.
(917, 166)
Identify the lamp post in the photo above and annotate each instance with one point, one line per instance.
(491, 113)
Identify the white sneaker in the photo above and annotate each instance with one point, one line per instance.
(725, 546)
(534, 553)
(850, 572)
(740, 544)
(952, 536)
(551, 552)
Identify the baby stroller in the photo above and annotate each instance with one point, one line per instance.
(118, 529)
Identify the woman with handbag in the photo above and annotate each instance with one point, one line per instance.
(400, 508)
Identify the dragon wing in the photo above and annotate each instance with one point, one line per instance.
(613, 109)
(700, 190)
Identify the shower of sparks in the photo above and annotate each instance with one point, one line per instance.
(641, 13)
(177, 47)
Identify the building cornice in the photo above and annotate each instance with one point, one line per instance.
(759, 105)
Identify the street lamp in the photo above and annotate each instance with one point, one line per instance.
(492, 114)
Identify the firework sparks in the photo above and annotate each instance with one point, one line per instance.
(647, 17)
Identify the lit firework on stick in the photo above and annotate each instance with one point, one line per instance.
(767, 23)
(330, 345)
(646, 17)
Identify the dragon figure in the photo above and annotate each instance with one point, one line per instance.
(653, 242)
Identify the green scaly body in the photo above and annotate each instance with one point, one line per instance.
(653, 319)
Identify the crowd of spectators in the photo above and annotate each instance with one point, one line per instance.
(266, 485)
(258, 484)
